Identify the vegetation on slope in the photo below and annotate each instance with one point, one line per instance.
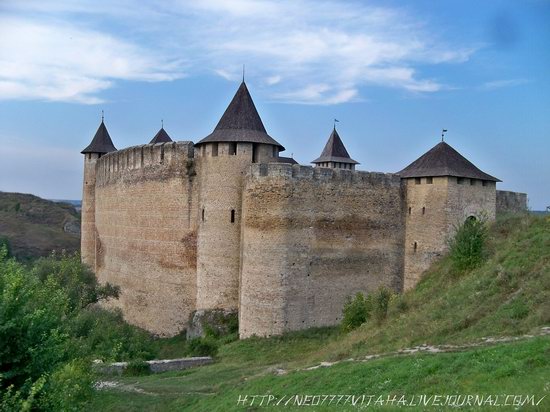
(506, 294)
(33, 227)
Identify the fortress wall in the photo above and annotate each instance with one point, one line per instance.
(88, 233)
(427, 225)
(510, 202)
(311, 238)
(446, 204)
(218, 263)
(146, 220)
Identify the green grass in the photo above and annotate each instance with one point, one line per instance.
(507, 295)
(516, 368)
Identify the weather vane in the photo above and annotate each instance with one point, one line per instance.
(443, 131)
(336, 121)
(102, 116)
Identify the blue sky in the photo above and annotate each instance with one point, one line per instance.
(393, 72)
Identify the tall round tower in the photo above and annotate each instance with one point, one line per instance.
(223, 158)
(101, 144)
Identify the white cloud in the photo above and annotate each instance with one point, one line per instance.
(324, 50)
(61, 62)
(499, 84)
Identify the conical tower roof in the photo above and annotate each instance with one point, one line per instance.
(335, 151)
(443, 160)
(241, 122)
(161, 137)
(101, 143)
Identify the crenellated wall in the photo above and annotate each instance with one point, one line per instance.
(510, 202)
(311, 237)
(146, 221)
(434, 207)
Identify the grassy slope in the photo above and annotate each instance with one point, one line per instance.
(34, 226)
(508, 295)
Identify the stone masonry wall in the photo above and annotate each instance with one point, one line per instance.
(311, 238)
(87, 230)
(146, 220)
(510, 202)
(435, 211)
(220, 180)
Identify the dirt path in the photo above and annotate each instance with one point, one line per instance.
(544, 331)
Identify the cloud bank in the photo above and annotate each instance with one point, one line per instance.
(302, 51)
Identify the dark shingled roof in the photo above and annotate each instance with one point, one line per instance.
(335, 151)
(161, 137)
(101, 143)
(282, 159)
(443, 160)
(241, 122)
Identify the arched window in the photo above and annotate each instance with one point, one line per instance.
(232, 215)
(203, 214)
(410, 210)
(415, 246)
(424, 210)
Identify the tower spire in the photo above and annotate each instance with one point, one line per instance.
(102, 116)
(243, 73)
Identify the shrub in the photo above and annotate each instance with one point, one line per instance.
(206, 346)
(381, 301)
(356, 312)
(137, 368)
(467, 247)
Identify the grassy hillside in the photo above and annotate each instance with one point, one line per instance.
(34, 226)
(508, 295)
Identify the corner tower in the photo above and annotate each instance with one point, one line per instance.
(335, 155)
(101, 144)
(223, 158)
(443, 189)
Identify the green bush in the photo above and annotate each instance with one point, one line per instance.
(51, 329)
(137, 368)
(381, 301)
(206, 346)
(467, 247)
(356, 312)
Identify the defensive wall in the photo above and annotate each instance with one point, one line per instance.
(435, 206)
(146, 233)
(311, 237)
(510, 202)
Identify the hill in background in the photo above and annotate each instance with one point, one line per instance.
(35, 227)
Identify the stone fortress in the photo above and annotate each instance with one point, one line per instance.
(227, 225)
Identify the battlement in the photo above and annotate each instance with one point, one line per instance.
(320, 174)
(144, 157)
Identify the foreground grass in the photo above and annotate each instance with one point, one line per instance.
(506, 296)
(515, 368)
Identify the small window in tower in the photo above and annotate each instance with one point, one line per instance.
(232, 215)
(203, 214)
(410, 210)
(232, 149)
(423, 210)
(214, 149)
(275, 151)
(460, 180)
(429, 180)
(472, 182)
(417, 180)
(415, 247)
(484, 182)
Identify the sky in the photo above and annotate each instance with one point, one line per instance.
(394, 73)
